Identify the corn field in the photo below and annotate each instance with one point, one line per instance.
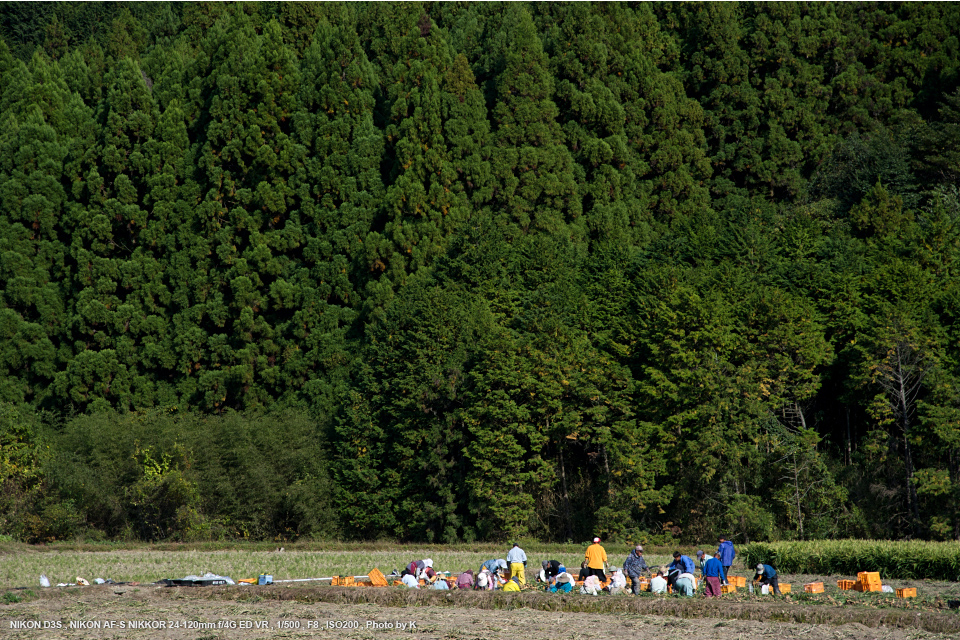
(893, 559)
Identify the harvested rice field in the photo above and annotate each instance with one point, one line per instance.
(306, 609)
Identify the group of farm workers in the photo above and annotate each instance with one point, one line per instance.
(509, 574)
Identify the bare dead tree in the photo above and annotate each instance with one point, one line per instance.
(900, 374)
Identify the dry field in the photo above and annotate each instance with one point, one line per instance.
(305, 609)
(292, 612)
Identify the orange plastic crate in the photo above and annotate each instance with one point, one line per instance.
(377, 578)
(813, 587)
(728, 588)
(869, 577)
(784, 588)
(907, 593)
(846, 585)
(737, 581)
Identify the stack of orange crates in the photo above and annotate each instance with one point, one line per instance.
(868, 581)
(813, 587)
(737, 581)
(845, 585)
(907, 593)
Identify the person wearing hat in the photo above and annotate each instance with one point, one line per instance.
(465, 580)
(617, 581)
(551, 569)
(513, 584)
(596, 559)
(494, 566)
(485, 579)
(727, 554)
(517, 560)
(417, 567)
(635, 566)
(767, 575)
(563, 583)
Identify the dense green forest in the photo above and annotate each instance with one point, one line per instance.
(461, 271)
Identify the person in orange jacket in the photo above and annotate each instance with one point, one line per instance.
(596, 559)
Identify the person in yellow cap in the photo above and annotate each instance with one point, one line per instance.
(596, 558)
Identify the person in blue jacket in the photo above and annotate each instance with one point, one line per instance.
(767, 575)
(683, 563)
(727, 554)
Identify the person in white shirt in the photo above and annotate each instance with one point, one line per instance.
(658, 584)
(409, 580)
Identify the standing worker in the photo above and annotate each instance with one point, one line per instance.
(767, 575)
(517, 560)
(596, 559)
(727, 554)
(635, 566)
(712, 575)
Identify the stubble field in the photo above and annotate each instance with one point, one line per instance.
(304, 609)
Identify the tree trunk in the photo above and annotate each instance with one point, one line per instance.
(796, 489)
(849, 440)
(567, 519)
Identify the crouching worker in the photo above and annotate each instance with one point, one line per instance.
(767, 575)
(591, 586)
(465, 580)
(563, 583)
(658, 584)
(551, 569)
(618, 582)
(485, 579)
(684, 584)
(513, 584)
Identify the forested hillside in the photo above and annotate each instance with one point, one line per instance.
(458, 271)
